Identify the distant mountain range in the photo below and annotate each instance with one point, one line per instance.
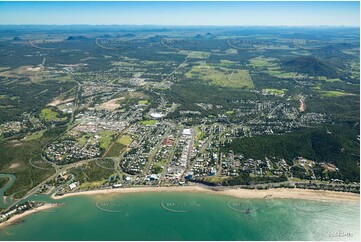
(76, 38)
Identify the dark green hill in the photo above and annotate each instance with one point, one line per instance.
(310, 66)
(156, 38)
(335, 144)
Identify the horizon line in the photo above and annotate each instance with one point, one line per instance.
(179, 25)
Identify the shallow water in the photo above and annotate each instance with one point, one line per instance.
(188, 216)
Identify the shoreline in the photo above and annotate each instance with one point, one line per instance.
(277, 193)
(280, 193)
(17, 217)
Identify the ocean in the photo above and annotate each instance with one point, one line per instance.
(188, 216)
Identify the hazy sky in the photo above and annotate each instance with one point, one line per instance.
(182, 13)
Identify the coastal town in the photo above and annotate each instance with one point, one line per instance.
(143, 147)
(196, 112)
(152, 142)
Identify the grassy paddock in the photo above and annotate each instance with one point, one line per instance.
(221, 76)
(48, 114)
(148, 122)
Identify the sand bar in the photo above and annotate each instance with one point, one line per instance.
(17, 217)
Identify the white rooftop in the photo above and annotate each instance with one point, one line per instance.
(187, 132)
(156, 115)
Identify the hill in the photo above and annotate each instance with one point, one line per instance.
(310, 66)
(329, 144)
(76, 38)
(156, 38)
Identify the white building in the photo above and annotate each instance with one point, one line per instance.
(73, 185)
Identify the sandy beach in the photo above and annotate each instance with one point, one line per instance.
(239, 193)
(17, 217)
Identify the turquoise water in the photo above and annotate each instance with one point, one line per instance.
(188, 216)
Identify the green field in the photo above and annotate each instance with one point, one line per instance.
(142, 102)
(333, 93)
(89, 185)
(262, 62)
(277, 72)
(148, 122)
(35, 135)
(106, 138)
(221, 76)
(125, 140)
(228, 64)
(119, 145)
(274, 91)
(238, 78)
(91, 174)
(115, 149)
(199, 135)
(196, 54)
(323, 78)
(231, 51)
(271, 67)
(48, 114)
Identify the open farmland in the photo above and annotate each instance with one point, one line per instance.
(221, 76)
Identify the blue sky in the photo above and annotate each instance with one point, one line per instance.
(182, 13)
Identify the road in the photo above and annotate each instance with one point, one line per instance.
(58, 168)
